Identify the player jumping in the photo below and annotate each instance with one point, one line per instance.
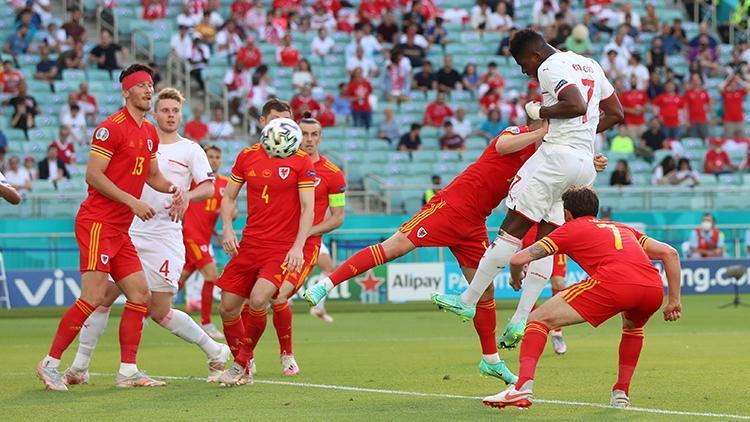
(575, 93)
(197, 230)
(326, 267)
(622, 281)
(122, 160)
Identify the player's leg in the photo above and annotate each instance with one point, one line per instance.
(325, 264)
(210, 274)
(282, 323)
(234, 330)
(260, 297)
(557, 281)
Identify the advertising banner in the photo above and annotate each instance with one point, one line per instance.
(414, 281)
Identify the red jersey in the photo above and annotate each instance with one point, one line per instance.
(273, 185)
(250, 57)
(129, 149)
(65, 151)
(302, 104)
(241, 7)
(733, 105)
(361, 91)
(697, 101)
(608, 251)
(435, 114)
(479, 189)
(490, 100)
(288, 56)
(200, 217)
(715, 161)
(631, 99)
(669, 108)
(196, 130)
(330, 186)
(9, 81)
(326, 117)
(153, 11)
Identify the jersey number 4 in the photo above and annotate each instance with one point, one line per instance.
(264, 194)
(590, 84)
(615, 232)
(165, 268)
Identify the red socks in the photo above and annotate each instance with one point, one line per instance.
(234, 331)
(282, 321)
(367, 258)
(484, 324)
(630, 349)
(131, 329)
(69, 327)
(532, 346)
(255, 324)
(207, 301)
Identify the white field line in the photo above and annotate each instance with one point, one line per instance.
(453, 396)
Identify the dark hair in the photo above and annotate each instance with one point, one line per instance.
(684, 161)
(212, 147)
(636, 57)
(415, 126)
(308, 119)
(708, 214)
(275, 104)
(524, 40)
(447, 123)
(667, 164)
(133, 68)
(581, 201)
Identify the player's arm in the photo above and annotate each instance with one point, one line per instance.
(330, 223)
(518, 261)
(96, 178)
(157, 180)
(612, 113)
(10, 194)
(295, 257)
(570, 104)
(671, 259)
(203, 191)
(227, 211)
(512, 143)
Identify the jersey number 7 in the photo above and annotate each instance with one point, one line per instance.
(615, 232)
(590, 84)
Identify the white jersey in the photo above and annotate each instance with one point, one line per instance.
(2, 180)
(181, 163)
(561, 71)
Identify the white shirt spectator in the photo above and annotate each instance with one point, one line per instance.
(189, 20)
(462, 128)
(77, 124)
(301, 78)
(623, 50)
(635, 19)
(227, 43)
(57, 40)
(369, 44)
(18, 178)
(220, 129)
(613, 70)
(639, 71)
(496, 21)
(241, 82)
(322, 47)
(326, 21)
(538, 7)
(367, 65)
(255, 20)
(182, 46)
(419, 40)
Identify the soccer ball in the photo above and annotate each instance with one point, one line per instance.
(281, 138)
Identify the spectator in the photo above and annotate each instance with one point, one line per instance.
(105, 54)
(182, 43)
(260, 91)
(255, 19)
(628, 13)
(73, 27)
(622, 43)
(30, 165)
(322, 19)
(369, 11)
(492, 126)
(387, 30)
(656, 57)
(622, 143)
(480, 16)
(559, 32)
(655, 87)
(425, 79)
(199, 56)
(10, 80)
(56, 39)
(303, 76)
(704, 34)
(411, 50)
(76, 121)
(668, 106)
(17, 42)
(491, 100)
(359, 60)
(634, 103)
(737, 64)
(25, 110)
(717, 160)
(304, 103)
(470, 77)
(675, 37)
(195, 129)
(579, 42)
(664, 171)
(650, 22)
(637, 70)
(359, 91)
(698, 104)
(437, 34)
(621, 176)
(461, 125)
(543, 20)
(706, 55)
(72, 59)
(326, 116)
(363, 37)
(503, 49)
(18, 177)
(53, 168)
(685, 175)
(613, 65)
(66, 151)
(46, 69)
(448, 79)
(322, 44)
(187, 17)
(342, 106)
(219, 127)
(249, 54)
(389, 129)
(491, 79)
(707, 241)
(500, 20)
(228, 41)
(733, 91)
(411, 141)
(287, 55)
(433, 190)
(437, 111)
(86, 101)
(237, 81)
(154, 9)
(451, 141)
(206, 28)
(396, 83)
(651, 140)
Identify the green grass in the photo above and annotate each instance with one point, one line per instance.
(700, 364)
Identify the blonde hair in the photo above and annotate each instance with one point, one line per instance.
(170, 94)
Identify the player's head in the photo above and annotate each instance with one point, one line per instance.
(529, 50)
(138, 86)
(580, 201)
(213, 152)
(707, 222)
(169, 110)
(312, 134)
(273, 109)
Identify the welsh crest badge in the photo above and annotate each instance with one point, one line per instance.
(284, 172)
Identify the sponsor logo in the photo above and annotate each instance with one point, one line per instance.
(284, 172)
(421, 233)
(560, 84)
(414, 281)
(102, 134)
(370, 287)
(221, 191)
(311, 173)
(104, 258)
(266, 173)
(210, 174)
(251, 173)
(150, 144)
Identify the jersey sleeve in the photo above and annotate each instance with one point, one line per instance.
(105, 141)
(201, 169)
(306, 174)
(553, 79)
(238, 170)
(642, 238)
(557, 241)
(154, 140)
(336, 189)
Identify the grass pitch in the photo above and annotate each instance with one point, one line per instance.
(700, 364)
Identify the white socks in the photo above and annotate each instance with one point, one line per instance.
(493, 358)
(495, 258)
(128, 369)
(92, 330)
(328, 283)
(180, 324)
(51, 362)
(537, 274)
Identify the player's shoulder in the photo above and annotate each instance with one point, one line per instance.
(249, 151)
(300, 158)
(514, 130)
(326, 165)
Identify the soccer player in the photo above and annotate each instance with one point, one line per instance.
(575, 93)
(280, 203)
(197, 230)
(622, 281)
(122, 160)
(159, 245)
(8, 192)
(326, 267)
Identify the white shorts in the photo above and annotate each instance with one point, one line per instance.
(324, 249)
(162, 257)
(536, 192)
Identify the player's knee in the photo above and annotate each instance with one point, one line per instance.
(158, 313)
(229, 311)
(488, 294)
(257, 302)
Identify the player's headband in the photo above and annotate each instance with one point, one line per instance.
(135, 78)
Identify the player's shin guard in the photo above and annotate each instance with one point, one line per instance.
(255, 324)
(131, 329)
(360, 262)
(631, 344)
(70, 324)
(234, 331)
(207, 301)
(495, 258)
(485, 321)
(91, 332)
(532, 346)
(537, 274)
(181, 325)
(282, 321)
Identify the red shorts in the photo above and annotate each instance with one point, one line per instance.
(439, 224)
(197, 255)
(530, 237)
(103, 248)
(599, 301)
(560, 265)
(253, 263)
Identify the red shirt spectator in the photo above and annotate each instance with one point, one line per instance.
(304, 102)
(492, 79)
(359, 91)
(241, 7)
(65, 150)
(153, 10)
(85, 97)
(195, 129)
(287, 55)
(369, 11)
(197, 6)
(10, 79)
(286, 5)
(630, 100)
(326, 117)
(697, 101)
(733, 100)
(669, 105)
(717, 160)
(249, 54)
(436, 112)
(490, 100)
(332, 6)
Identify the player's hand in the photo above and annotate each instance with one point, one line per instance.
(517, 274)
(177, 211)
(178, 194)
(142, 210)
(672, 311)
(600, 163)
(294, 259)
(229, 243)
(533, 108)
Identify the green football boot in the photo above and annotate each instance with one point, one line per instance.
(497, 370)
(512, 335)
(315, 294)
(452, 303)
